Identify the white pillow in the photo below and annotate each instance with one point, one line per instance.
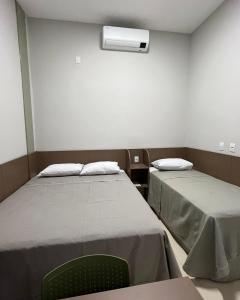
(172, 164)
(101, 168)
(61, 170)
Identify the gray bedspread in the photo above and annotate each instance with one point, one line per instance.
(52, 220)
(203, 213)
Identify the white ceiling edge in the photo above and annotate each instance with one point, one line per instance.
(178, 16)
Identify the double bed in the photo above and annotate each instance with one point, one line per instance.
(203, 214)
(49, 221)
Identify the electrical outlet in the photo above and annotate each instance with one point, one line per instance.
(136, 159)
(232, 147)
(78, 59)
(221, 146)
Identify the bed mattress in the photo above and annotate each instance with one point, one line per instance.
(203, 213)
(49, 221)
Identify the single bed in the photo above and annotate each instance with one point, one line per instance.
(203, 213)
(49, 221)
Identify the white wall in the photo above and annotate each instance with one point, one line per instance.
(112, 99)
(214, 98)
(12, 127)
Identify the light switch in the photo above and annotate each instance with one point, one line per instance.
(136, 159)
(78, 59)
(221, 146)
(232, 147)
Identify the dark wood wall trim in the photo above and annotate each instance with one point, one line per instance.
(17, 172)
(221, 166)
(235, 170)
(33, 164)
(2, 189)
(13, 175)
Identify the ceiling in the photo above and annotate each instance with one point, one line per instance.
(182, 16)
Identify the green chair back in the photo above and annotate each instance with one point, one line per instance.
(85, 275)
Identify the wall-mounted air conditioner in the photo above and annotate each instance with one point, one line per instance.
(125, 39)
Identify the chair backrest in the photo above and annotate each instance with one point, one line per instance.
(85, 275)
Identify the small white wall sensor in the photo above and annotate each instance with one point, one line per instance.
(221, 146)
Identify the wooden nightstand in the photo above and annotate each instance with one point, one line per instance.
(138, 171)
